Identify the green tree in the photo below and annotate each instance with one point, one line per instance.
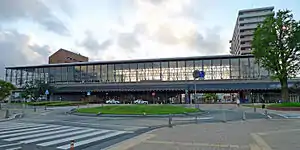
(36, 89)
(5, 89)
(210, 97)
(276, 47)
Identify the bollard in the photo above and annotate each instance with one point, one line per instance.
(34, 109)
(6, 113)
(72, 145)
(77, 105)
(244, 115)
(196, 119)
(224, 117)
(170, 121)
(45, 108)
(254, 109)
(266, 114)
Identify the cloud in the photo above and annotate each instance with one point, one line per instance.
(161, 28)
(35, 10)
(16, 49)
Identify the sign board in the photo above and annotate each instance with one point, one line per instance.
(88, 93)
(47, 92)
(198, 74)
(201, 74)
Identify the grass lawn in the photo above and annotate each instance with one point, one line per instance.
(56, 103)
(139, 109)
(285, 105)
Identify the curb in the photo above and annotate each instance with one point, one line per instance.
(14, 116)
(111, 115)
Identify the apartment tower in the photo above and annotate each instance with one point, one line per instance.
(246, 23)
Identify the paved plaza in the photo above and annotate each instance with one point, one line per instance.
(239, 135)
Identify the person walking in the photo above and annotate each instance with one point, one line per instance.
(238, 102)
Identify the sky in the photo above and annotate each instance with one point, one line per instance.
(31, 30)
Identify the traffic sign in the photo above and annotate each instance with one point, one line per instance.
(47, 92)
(201, 74)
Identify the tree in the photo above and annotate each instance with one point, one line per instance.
(276, 47)
(210, 96)
(36, 89)
(5, 89)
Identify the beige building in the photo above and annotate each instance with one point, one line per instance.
(246, 23)
(65, 56)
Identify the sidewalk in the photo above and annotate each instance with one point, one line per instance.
(249, 135)
(284, 114)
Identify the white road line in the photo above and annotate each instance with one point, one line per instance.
(9, 145)
(15, 148)
(260, 142)
(31, 132)
(27, 129)
(19, 127)
(40, 134)
(56, 136)
(99, 138)
(72, 138)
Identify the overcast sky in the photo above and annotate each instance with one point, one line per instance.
(31, 30)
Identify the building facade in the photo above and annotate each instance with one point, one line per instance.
(65, 56)
(168, 78)
(246, 23)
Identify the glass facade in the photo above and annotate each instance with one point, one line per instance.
(217, 68)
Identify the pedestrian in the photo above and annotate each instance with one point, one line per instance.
(238, 102)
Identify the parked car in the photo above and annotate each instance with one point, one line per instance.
(140, 101)
(112, 101)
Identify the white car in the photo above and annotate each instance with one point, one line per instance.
(139, 101)
(112, 101)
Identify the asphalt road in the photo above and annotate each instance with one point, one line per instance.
(54, 128)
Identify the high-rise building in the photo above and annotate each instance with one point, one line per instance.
(246, 23)
(65, 56)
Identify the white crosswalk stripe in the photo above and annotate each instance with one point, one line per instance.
(15, 135)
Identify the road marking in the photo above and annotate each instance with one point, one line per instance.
(278, 131)
(260, 142)
(194, 144)
(131, 142)
(27, 129)
(254, 147)
(73, 138)
(98, 138)
(41, 134)
(30, 132)
(15, 148)
(9, 145)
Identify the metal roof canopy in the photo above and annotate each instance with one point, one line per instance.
(136, 61)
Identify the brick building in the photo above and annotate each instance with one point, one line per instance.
(65, 56)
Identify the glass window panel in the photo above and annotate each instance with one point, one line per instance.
(133, 72)
(235, 68)
(244, 68)
(216, 69)
(70, 74)
(148, 71)
(119, 72)
(126, 72)
(199, 65)
(225, 73)
(165, 71)
(207, 68)
(156, 71)
(84, 76)
(104, 73)
(141, 72)
(98, 73)
(64, 74)
(181, 70)
(173, 70)
(189, 70)
(77, 74)
(110, 70)
(254, 69)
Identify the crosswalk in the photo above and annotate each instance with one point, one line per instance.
(17, 136)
